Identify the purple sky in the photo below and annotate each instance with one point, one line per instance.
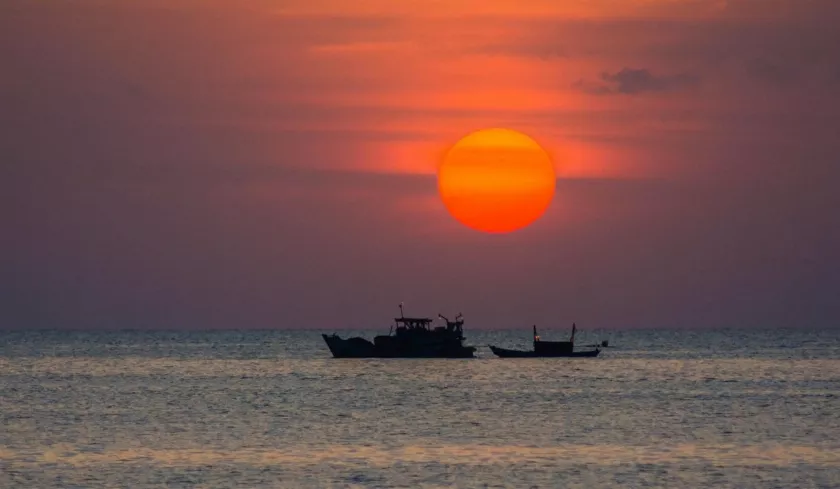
(266, 164)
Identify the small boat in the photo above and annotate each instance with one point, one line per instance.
(548, 349)
(411, 338)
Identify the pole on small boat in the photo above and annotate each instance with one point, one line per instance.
(401, 310)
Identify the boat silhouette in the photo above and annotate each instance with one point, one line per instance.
(548, 348)
(409, 338)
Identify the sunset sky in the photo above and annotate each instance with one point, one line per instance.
(272, 164)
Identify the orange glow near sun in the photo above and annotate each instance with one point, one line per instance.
(496, 180)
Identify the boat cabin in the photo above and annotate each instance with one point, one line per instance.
(554, 347)
(405, 326)
(404, 323)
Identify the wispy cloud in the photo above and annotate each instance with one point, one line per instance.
(545, 51)
(631, 81)
(364, 48)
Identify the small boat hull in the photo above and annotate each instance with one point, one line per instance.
(506, 353)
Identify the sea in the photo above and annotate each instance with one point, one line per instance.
(272, 409)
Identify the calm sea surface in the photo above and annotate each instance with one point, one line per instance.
(669, 409)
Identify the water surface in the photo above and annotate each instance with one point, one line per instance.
(724, 409)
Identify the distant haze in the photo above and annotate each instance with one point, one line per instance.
(258, 164)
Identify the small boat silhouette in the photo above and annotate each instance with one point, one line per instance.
(549, 349)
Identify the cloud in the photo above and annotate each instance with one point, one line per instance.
(631, 81)
(544, 51)
(361, 48)
(794, 73)
(770, 71)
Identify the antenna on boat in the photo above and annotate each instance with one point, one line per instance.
(401, 310)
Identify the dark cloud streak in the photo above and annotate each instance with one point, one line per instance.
(632, 81)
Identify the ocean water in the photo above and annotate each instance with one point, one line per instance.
(663, 409)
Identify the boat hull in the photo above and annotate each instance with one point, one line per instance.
(506, 353)
(362, 348)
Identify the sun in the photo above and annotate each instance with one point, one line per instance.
(496, 180)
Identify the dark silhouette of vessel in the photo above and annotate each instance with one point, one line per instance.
(549, 348)
(410, 338)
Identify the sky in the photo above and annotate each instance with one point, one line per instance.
(272, 164)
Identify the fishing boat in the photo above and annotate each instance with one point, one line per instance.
(408, 338)
(549, 349)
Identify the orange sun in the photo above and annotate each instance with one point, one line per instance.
(496, 180)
